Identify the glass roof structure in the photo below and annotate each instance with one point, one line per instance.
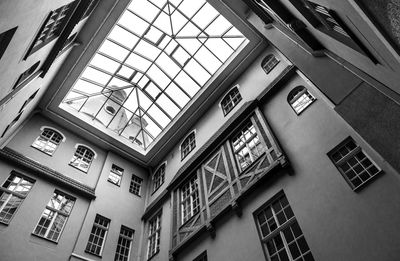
(156, 58)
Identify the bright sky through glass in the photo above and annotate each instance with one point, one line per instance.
(156, 58)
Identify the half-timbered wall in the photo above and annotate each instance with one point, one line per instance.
(221, 182)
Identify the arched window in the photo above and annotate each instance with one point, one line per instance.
(48, 141)
(82, 158)
(231, 99)
(299, 98)
(188, 144)
(269, 62)
(158, 177)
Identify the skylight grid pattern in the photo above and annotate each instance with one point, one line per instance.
(154, 61)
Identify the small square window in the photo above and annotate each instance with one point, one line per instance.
(136, 185)
(115, 175)
(299, 99)
(354, 165)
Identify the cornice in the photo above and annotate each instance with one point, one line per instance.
(47, 173)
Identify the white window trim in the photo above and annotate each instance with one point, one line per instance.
(227, 92)
(54, 129)
(84, 145)
(187, 135)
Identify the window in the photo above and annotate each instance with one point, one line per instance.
(158, 177)
(330, 23)
(299, 99)
(98, 235)
(231, 99)
(247, 145)
(55, 216)
(188, 144)
(48, 141)
(25, 75)
(9, 126)
(190, 201)
(124, 244)
(153, 240)
(280, 233)
(136, 185)
(12, 193)
(28, 101)
(355, 166)
(269, 62)
(52, 27)
(82, 158)
(115, 175)
(201, 257)
(5, 39)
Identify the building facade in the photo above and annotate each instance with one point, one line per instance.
(288, 151)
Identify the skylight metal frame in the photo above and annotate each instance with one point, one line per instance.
(140, 110)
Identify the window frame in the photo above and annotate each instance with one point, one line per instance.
(26, 75)
(115, 173)
(280, 229)
(57, 213)
(53, 25)
(5, 39)
(299, 92)
(87, 148)
(102, 228)
(137, 181)
(12, 194)
(202, 256)
(120, 242)
(257, 134)
(190, 144)
(48, 140)
(352, 154)
(193, 197)
(159, 174)
(269, 63)
(228, 99)
(154, 233)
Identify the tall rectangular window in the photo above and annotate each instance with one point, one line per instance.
(25, 75)
(190, 201)
(5, 39)
(247, 145)
(98, 235)
(55, 216)
(115, 174)
(280, 233)
(153, 239)
(12, 193)
(52, 27)
(124, 244)
(136, 185)
(158, 177)
(354, 165)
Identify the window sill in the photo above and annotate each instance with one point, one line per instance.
(153, 255)
(86, 251)
(118, 185)
(187, 221)
(51, 155)
(78, 168)
(366, 183)
(46, 239)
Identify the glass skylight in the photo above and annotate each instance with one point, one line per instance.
(156, 58)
